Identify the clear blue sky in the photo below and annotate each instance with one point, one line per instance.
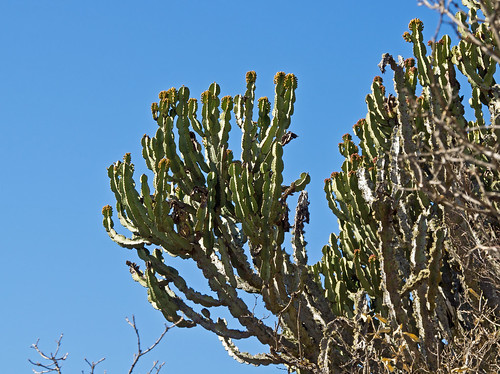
(77, 80)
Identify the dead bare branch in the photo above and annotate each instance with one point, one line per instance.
(53, 362)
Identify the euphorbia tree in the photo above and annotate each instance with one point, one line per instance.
(393, 289)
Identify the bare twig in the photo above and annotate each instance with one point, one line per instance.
(54, 365)
(140, 352)
(93, 365)
(156, 366)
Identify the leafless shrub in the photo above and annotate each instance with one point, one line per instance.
(53, 361)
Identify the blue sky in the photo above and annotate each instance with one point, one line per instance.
(76, 83)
